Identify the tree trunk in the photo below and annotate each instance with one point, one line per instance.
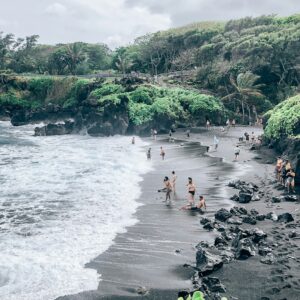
(243, 111)
(249, 115)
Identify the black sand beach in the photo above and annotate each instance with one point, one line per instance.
(152, 254)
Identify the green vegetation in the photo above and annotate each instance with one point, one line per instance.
(252, 64)
(144, 103)
(284, 119)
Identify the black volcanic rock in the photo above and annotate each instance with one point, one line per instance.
(245, 197)
(207, 262)
(214, 285)
(222, 215)
(286, 218)
(245, 249)
(249, 220)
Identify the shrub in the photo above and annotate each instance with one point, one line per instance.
(283, 119)
(107, 89)
(140, 113)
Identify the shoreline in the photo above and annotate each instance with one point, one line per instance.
(181, 227)
(158, 291)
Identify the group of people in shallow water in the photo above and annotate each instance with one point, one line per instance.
(162, 153)
(170, 186)
(285, 174)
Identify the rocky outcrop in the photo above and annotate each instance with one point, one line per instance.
(55, 129)
(207, 262)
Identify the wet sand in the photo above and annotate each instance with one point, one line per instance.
(152, 253)
(146, 254)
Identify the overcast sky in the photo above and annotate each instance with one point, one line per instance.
(118, 22)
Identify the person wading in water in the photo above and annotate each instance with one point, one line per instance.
(162, 153)
(174, 178)
(191, 191)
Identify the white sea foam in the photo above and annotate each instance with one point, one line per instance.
(62, 201)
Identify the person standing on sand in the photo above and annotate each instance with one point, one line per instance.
(252, 137)
(155, 134)
(191, 191)
(207, 124)
(191, 195)
(227, 123)
(162, 153)
(152, 133)
(149, 154)
(167, 188)
(290, 180)
(188, 133)
(233, 123)
(237, 152)
(278, 168)
(216, 143)
(174, 178)
(133, 140)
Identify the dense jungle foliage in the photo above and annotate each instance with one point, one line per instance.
(251, 64)
(144, 102)
(284, 119)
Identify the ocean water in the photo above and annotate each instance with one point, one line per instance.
(63, 199)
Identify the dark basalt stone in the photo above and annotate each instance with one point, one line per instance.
(254, 212)
(286, 218)
(207, 262)
(245, 249)
(292, 234)
(55, 129)
(260, 217)
(203, 221)
(272, 216)
(208, 226)
(214, 285)
(237, 211)
(249, 220)
(258, 235)
(276, 199)
(235, 197)
(219, 240)
(244, 197)
(222, 215)
(264, 250)
(291, 198)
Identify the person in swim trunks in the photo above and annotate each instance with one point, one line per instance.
(191, 191)
(168, 188)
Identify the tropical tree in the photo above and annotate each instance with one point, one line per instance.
(245, 88)
(122, 60)
(74, 56)
(6, 42)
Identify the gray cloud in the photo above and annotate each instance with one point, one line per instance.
(187, 11)
(118, 22)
